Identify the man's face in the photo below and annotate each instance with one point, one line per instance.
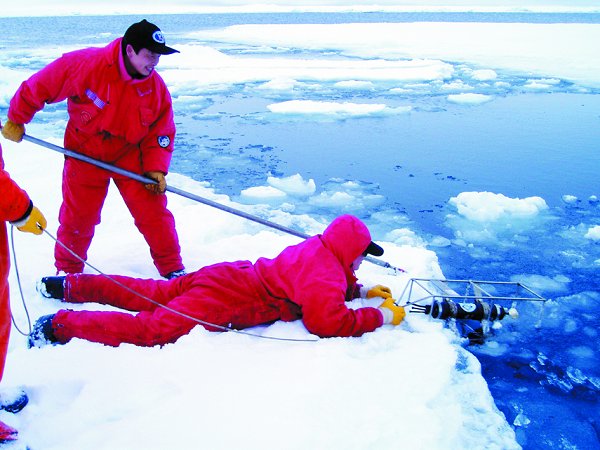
(357, 262)
(143, 62)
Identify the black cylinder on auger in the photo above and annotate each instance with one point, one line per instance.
(449, 309)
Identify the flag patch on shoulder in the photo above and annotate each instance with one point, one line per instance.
(164, 141)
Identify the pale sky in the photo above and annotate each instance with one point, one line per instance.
(68, 7)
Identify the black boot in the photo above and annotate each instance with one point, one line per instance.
(13, 400)
(52, 287)
(42, 333)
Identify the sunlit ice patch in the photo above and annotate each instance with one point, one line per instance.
(486, 216)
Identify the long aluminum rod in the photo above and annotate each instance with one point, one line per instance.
(188, 195)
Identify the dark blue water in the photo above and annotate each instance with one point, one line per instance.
(521, 144)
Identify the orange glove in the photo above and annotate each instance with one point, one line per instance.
(379, 291)
(13, 131)
(34, 223)
(159, 188)
(392, 313)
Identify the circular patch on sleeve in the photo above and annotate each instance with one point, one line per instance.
(164, 141)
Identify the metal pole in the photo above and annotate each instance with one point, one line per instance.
(175, 190)
(185, 194)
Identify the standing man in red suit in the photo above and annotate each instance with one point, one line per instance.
(120, 112)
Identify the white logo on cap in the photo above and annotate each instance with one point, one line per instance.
(158, 37)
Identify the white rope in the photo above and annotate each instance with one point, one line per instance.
(12, 244)
(154, 302)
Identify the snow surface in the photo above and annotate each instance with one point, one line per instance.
(524, 47)
(412, 384)
(410, 387)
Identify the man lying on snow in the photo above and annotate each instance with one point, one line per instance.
(311, 280)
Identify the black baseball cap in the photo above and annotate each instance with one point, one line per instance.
(373, 249)
(147, 35)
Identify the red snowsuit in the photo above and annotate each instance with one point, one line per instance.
(14, 205)
(119, 120)
(311, 280)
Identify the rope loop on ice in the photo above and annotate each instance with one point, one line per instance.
(154, 302)
(12, 244)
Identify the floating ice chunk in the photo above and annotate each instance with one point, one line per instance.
(354, 84)
(489, 207)
(503, 223)
(262, 194)
(558, 283)
(469, 98)
(397, 90)
(576, 375)
(404, 236)
(521, 420)
(492, 348)
(537, 86)
(569, 198)
(457, 85)
(279, 84)
(440, 241)
(541, 84)
(338, 199)
(278, 190)
(593, 233)
(293, 185)
(345, 201)
(344, 109)
(484, 75)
